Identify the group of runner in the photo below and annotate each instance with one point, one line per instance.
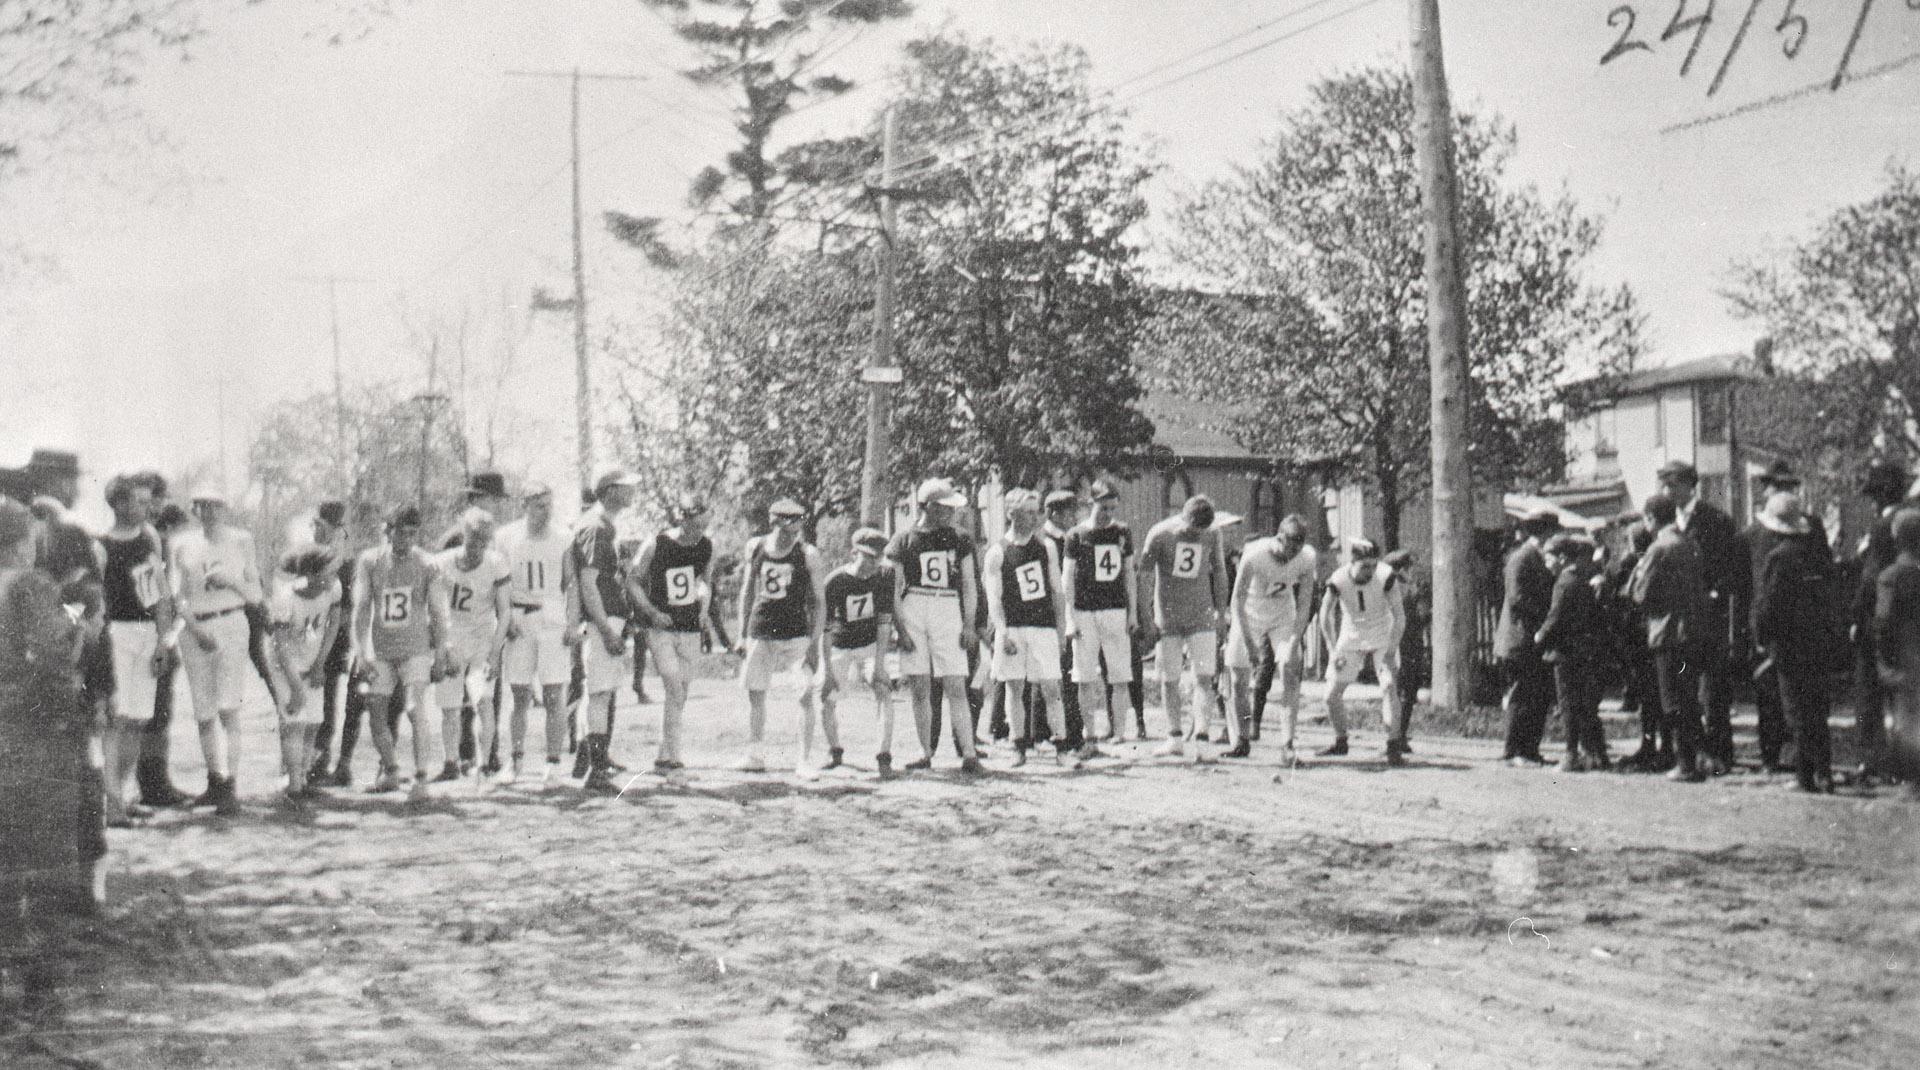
(529, 611)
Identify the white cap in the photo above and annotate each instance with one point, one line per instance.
(940, 492)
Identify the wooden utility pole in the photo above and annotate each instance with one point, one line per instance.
(583, 390)
(343, 454)
(1453, 593)
(876, 500)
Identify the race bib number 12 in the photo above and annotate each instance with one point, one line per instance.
(1186, 560)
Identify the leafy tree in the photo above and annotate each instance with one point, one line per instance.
(1020, 293)
(1842, 309)
(1305, 307)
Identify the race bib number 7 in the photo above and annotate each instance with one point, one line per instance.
(396, 606)
(1186, 560)
(936, 568)
(682, 590)
(859, 607)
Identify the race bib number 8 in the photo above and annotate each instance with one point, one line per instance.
(146, 583)
(774, 581)
(681, 588)
(1030, 580)
(936, 568)
(1106, 563)
(859, 606)
(1186, 560)
(396, 606)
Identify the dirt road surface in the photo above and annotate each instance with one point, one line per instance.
(1140, 912)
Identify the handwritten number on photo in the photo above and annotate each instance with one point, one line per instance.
(1792, 45)
(1626, 43)
(1698, 23)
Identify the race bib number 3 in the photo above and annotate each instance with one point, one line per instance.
(1030, 580)
(396, 606)
(1186, 560)
(775, 579)
(1106, 563)
(859, 607)
(936, 568)
(682, 588)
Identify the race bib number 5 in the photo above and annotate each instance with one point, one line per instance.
(1186, 560)
(396, 606)
(1106, 563)
(1030, 580)
(681, 588)
(936, 568)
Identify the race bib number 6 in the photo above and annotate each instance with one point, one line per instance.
(1106, 563)
(681, 588)
(1186, 560)
(936, 568)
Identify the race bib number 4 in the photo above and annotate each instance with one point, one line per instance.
(1030, 580)
(1186, 560)
(682, 584)
(936, 568)
(775, 580)
(396, 606)
(1106, 563)
(859, 607)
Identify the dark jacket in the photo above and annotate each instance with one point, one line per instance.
(1670, 591)
(1725, 575)
(1896, 622)
(1875, 557)
(1757, 543)
(1575, 629)
(1529, 593)
(1792, 605)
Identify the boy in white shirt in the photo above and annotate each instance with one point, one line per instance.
(304, 616)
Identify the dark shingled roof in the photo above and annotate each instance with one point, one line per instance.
(1703, 370)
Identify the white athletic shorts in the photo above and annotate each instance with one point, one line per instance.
(933, 622)
(389, 675)
(765, 657)
(1350, 656)
(845, 667)
(1098, 633)
(539, 656)
(1036, 656)
(1278, 636)
(607, 672)
(134, 643)
(217, 678)
(469, 675)
(676, 655)
(1201, 648)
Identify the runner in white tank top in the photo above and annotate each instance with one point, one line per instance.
(1371, 619)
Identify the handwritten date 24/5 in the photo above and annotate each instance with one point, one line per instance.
(1692, 20)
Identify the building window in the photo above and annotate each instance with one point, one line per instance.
(1605, 434)
(1712, 401)
(1659, 422)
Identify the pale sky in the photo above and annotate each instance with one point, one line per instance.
(409, 161)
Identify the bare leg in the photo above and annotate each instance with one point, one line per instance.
(553, 699)
(382, 732)
(920, 690)
(962, 722)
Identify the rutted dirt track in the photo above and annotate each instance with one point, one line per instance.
(1135, 913)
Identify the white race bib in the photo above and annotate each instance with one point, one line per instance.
(1030, 580)
(683, 588)
(1106, 562)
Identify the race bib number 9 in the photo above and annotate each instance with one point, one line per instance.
(146, 583)
(775, 579)
(859, 607)
(396, 606)
(1030, 580)
(682, 588)
(1186, 560)
(1106, 563)
(936, 568)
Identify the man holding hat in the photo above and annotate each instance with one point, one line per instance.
(605, 660)
(539, 556)
(937, 577)
(669, 586)
(1526, 597)
(781, 621)
(1791, 623)
(1723, 620)
(861, 628)
(1778, 519)
(215, 573)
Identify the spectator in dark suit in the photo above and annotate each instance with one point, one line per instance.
(1671, 594)
(1896, 637)
(1722, 627)
(1527, 595)
(1791, 623)
(1885, 485)
(1573, 639)
(1757, 542)
(1655, 754)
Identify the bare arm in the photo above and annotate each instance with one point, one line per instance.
(749, 587)
(1053, 580)
(637, 587)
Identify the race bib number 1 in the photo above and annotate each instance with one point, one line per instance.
(681, 588)
(936, 568)
(1186, 560)
(396, 606)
